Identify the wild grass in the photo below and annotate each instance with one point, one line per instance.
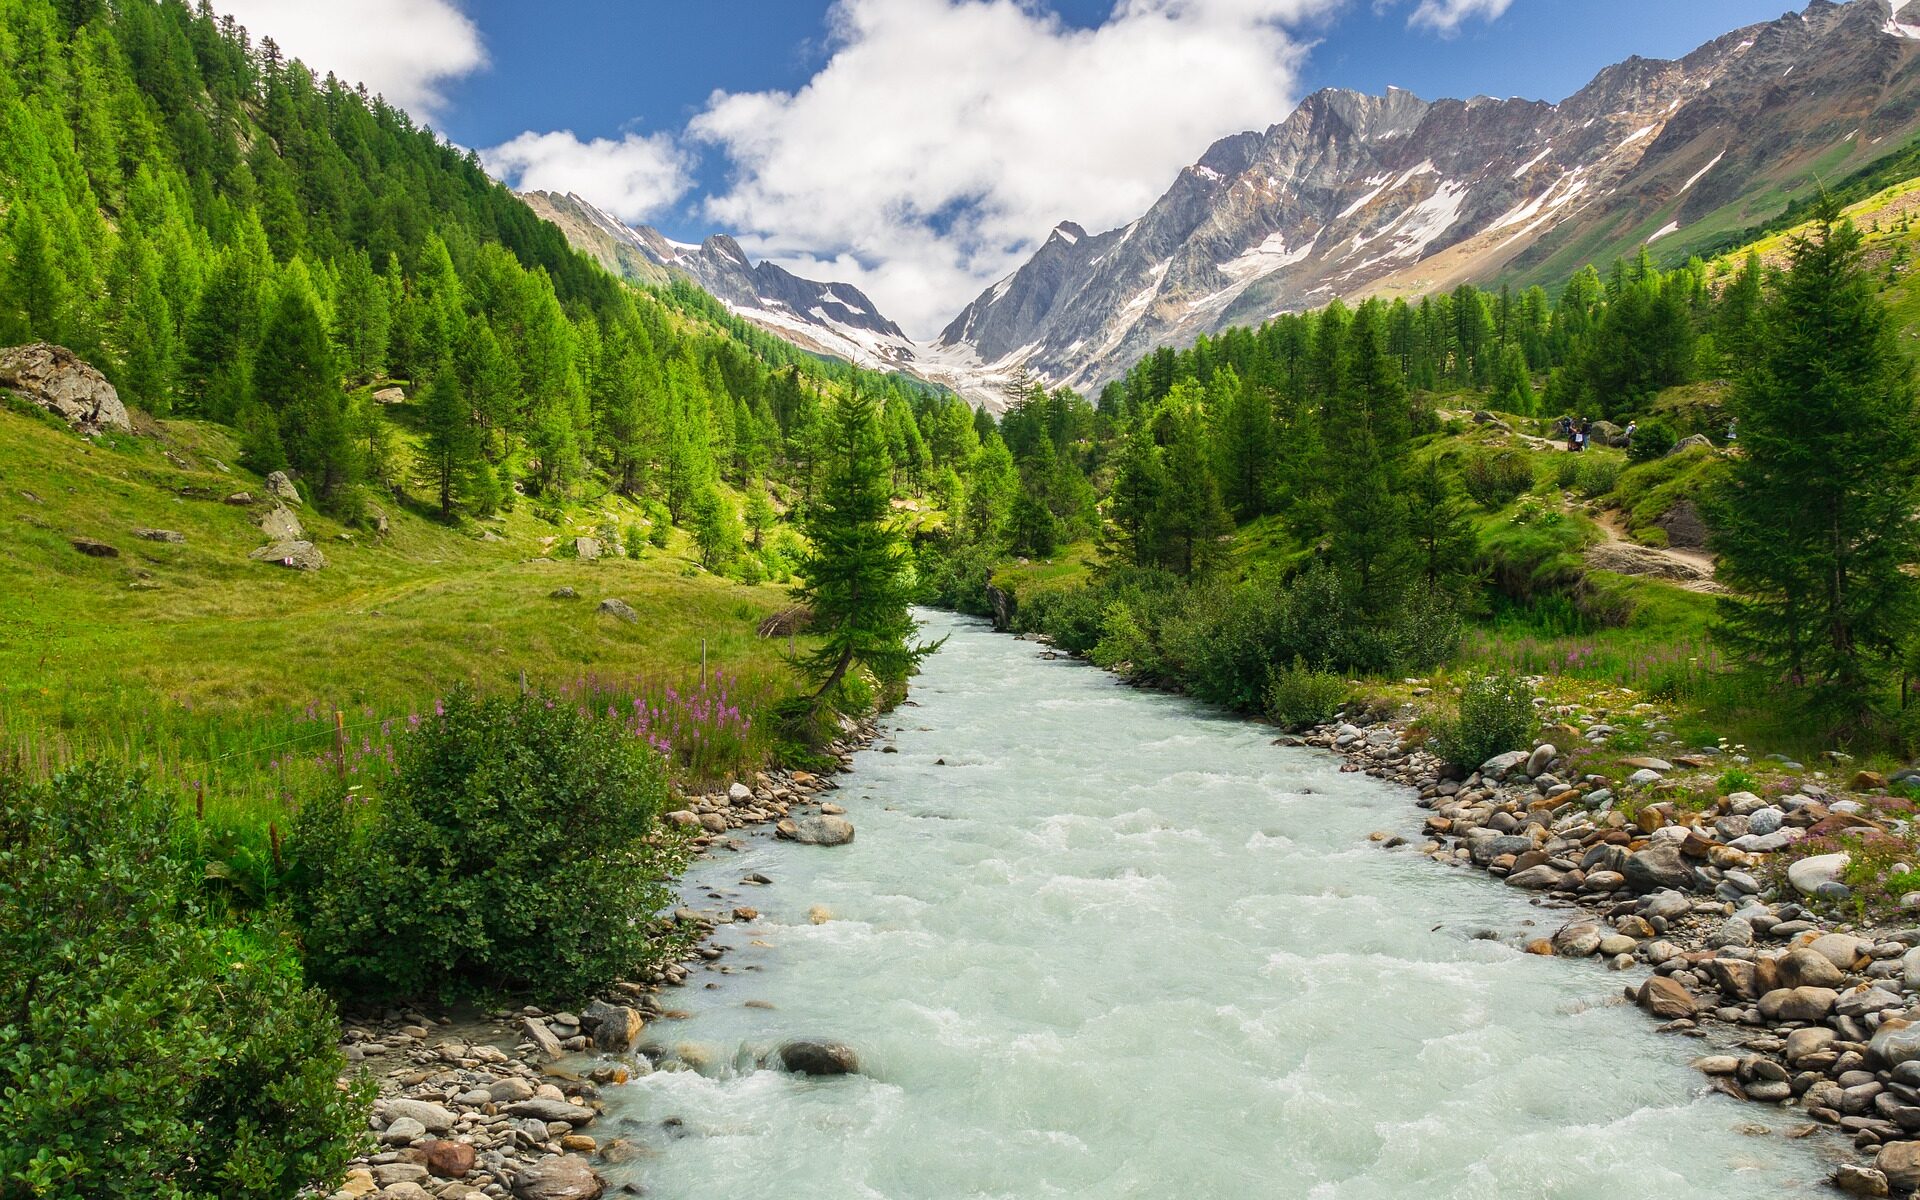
(223, 675)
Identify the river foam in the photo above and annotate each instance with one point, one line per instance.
(1144, 953)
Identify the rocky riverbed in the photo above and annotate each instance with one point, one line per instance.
(507, 1104)
(1724, 939)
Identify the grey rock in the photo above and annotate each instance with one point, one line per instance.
(536, 1031)
(816, 830)
(281, 525)
(1657, 867)
(432, 1117)
(620, 609)
(586, 548)
(566, 1177)
(543, 1109)
(160, 535)
(1500, 765)
(297, 556)
(281, 488)
(403, 1131)
(1895, 1043)
(1808, 874)
(1542, 757)
(812, 1057)
(1763, 821)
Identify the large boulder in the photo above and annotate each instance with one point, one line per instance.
(619, 610)
(1798, 1004)
(547, 1109)
(816, 831)
(295, 556)
(810, 1057)
(567, 1177)
(1809, 874)
(56, 379)
(1687, 443)
(1666, 998)
(1900, 1163)
(434, 1118)
(281, 525)
(1658, 867)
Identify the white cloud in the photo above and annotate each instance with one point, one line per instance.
(632, 178)
(943, 139)
(406, 50)
(1446, 16)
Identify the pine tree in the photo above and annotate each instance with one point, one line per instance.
(1815, 522)
(1138, 480)
(854, 574)
(1243, 443)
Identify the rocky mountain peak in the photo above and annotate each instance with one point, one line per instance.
(1356, 195)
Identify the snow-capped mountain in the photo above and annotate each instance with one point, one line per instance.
(1356, 195)
(826, 318)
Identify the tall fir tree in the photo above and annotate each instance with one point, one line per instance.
(854, 575)
(1816, 520)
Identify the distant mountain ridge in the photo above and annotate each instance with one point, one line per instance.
(829, 318)
(1356, 195)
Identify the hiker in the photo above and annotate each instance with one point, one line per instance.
(1733, 431)
(1627, 437)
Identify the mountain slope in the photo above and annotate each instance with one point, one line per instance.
(1356, 195)
(827, 318)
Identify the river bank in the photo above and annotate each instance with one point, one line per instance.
(506, 1104)
(1813, 1012)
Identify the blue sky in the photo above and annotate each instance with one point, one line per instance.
(922, 148)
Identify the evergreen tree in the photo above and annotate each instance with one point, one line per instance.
(759, 513)
(450, 448)
(1243, 446)
(854, 575)
(1815, 522)
(1367, 432)
(1138, 481)
(34, 292)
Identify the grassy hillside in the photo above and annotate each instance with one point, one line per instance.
(224, 672)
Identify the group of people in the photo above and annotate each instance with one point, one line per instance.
(1579, 432)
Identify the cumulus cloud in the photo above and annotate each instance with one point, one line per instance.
(943, 139)
(406, 50)
(1446, 16)
(632, 178)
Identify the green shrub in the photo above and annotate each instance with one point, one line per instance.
(1596, 473)
(1737, 780)
(636, 541)
(1655, 439)
(508, 851)
(1566, 470)
(147, 1048)
(1300, 698)
(1496, 714)
(1496, 479)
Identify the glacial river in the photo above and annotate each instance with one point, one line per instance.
(1096, 942)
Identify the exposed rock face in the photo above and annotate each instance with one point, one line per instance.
(56, 379)
(828, 318)
(1354, 195)
(281, 525)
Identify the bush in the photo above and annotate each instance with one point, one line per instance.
(1655, 439)
(149, 1049)
(1495, 714)
(1597, 473)
(508, 851)
(1498, 478)
(1300, 698)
